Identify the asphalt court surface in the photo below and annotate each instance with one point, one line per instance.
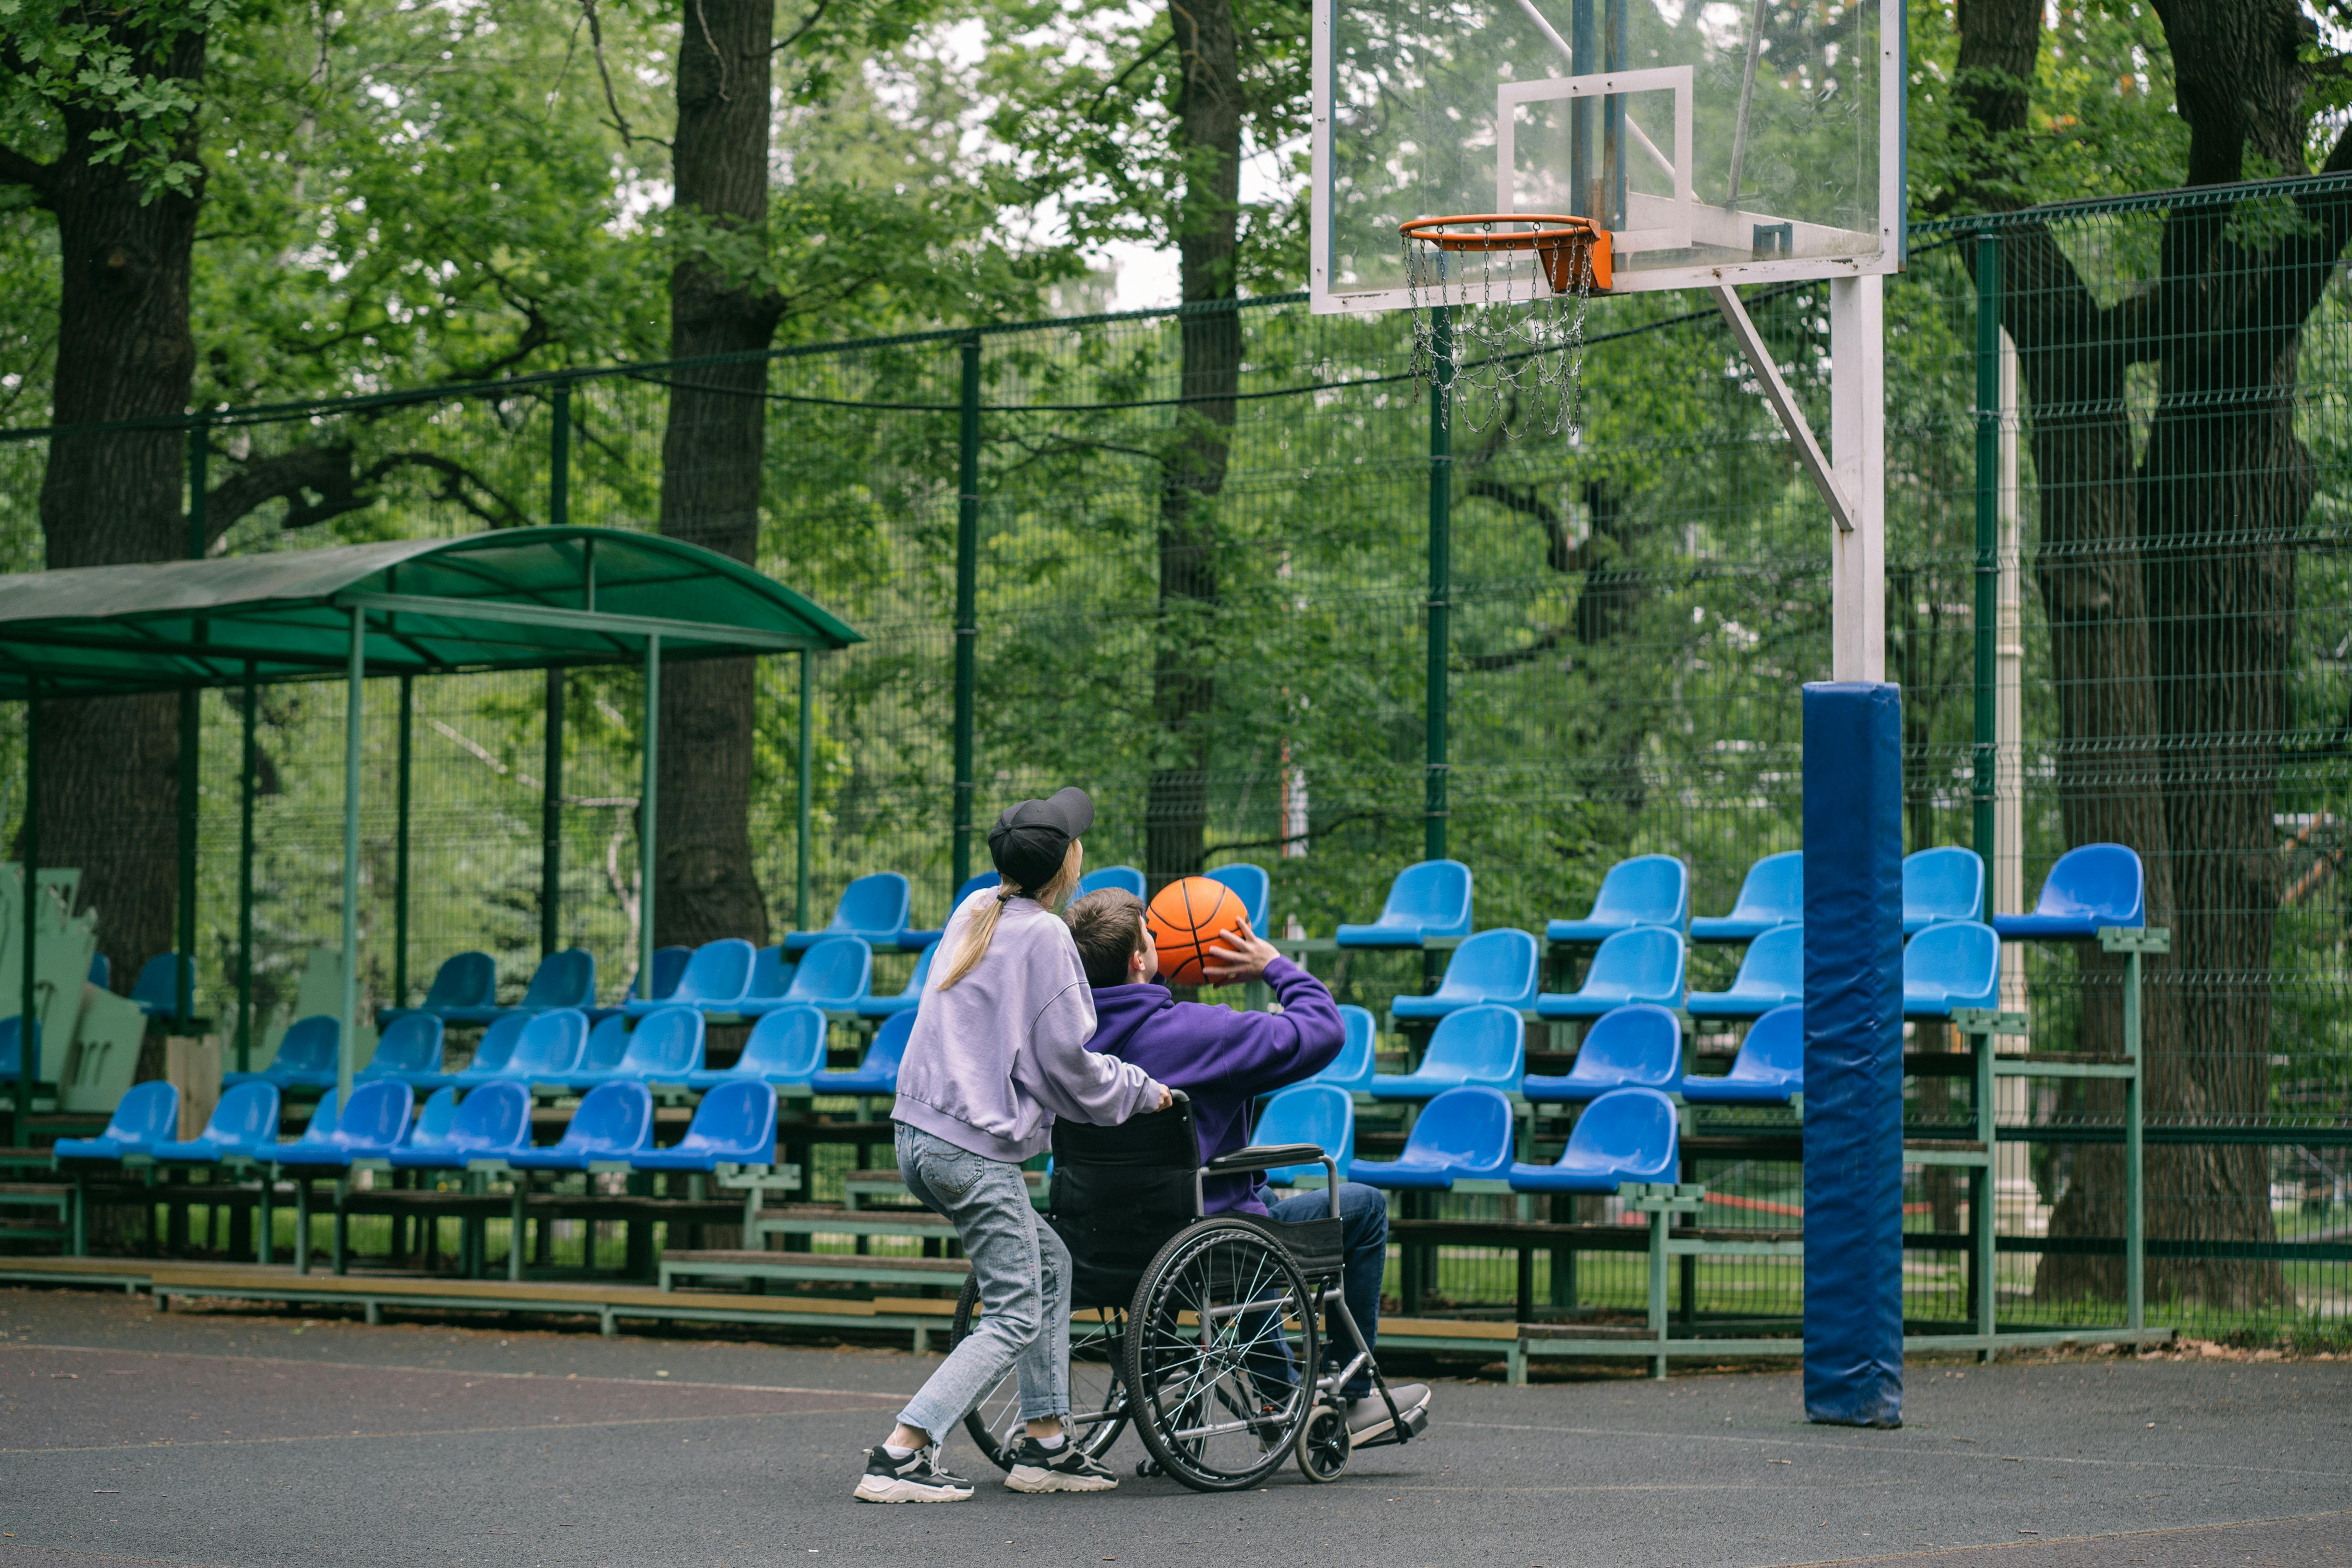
(237, 1436)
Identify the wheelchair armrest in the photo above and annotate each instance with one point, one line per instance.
(1264, 1157)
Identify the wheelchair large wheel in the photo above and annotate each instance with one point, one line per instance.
(1221, 1355)
(1097, 1396)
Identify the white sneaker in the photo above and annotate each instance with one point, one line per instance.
(1037, 1468)
(915, 1479)
(1369, 1416)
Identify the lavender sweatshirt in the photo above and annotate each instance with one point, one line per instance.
(1222, 1058)
(997, 1056)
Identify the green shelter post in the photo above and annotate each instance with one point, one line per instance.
(967, 625)
(1985, 759)
(400, 845)
(183, 993)
(247, 770)
(346, 1046)
(1440, 580)
(646, 818)
(551, 810)
(808, 775)
(29, 1051)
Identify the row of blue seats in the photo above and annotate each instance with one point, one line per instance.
(2091, 885)
(1952, 963)
(1465, 1134)
(734, 1125)
(560, 1049)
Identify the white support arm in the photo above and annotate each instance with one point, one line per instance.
(1784, 404)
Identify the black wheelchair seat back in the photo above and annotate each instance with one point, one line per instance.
(1119, 1194)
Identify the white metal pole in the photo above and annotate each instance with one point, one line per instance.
(1857, 438)
(2008, 868)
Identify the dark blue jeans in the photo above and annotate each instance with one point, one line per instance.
(1364, 1231)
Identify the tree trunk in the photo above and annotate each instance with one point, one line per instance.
(109, 768)
(711, 458)
(1184, 689)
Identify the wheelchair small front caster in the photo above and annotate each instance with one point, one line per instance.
(1146, 1468)
(1323, 1444)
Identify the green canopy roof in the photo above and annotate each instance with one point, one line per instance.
(522, 598)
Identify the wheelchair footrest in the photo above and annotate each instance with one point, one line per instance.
(1416, 1422)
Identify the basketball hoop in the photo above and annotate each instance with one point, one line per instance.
(1515, 287)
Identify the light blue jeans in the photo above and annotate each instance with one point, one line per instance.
(1024, 1285)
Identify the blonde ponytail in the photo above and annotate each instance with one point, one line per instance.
(972, 946)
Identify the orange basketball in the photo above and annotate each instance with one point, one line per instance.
(1186, 919)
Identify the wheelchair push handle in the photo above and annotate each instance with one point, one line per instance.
(1268, 1157)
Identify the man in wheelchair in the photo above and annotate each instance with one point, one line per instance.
(1224, 1061)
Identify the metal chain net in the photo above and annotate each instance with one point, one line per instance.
(1517, 345)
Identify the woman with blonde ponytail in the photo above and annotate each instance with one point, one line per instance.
(999, 1049)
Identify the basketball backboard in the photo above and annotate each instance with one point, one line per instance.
(1718, 143)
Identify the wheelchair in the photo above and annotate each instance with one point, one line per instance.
(1224, 1340)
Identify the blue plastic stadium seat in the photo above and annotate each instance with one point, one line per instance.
(771, 976)
(1769, 1068)
(305, 1059)
(493, 1124)
(1626, 1135)
(1482, 1044)
(1317, 1113)
(1252, 887)
(1430, 898)
(466, 982)
(566, 979)
(322, 1121)
(1771, 974)
(2092, 885)
(1498, 966)
(1125, 878)
(666, 1047)
(370, 1127)
(1645, 964)
(429, 1128)
(546, 1049)
(786, 1048)
(1953, 964)
(1351, 1069)
(12, 1064)
(716, 980)
(972, 884)
(1646, 890)
(101, 972)
(873, 908)
(835, 975)
(243, 1126)
(614, 1124)
(905, 1001)
(1464, 1134)
(1773, 895)
(492, 1052)
(608, 1041)
(1636, 1047)
(145, 1117)
(669, 963)
(157, 989)
(409, 1050)
(877, 1072)
(1947, 883)
(734, 1125)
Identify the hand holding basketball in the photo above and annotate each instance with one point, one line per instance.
(1237, 957)
(1186, 916)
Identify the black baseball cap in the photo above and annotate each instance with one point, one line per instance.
(1031, 839)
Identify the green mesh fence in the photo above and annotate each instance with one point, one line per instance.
(1209, 607)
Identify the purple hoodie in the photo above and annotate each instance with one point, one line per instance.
(1222, 1059)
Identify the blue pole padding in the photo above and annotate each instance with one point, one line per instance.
(1853, 1053)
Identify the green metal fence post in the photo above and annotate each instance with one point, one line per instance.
(550, 823)
(2134, 1188)
(967, 626)
(1440, 580)
(245, 771)
(355, 679)
(191, 754)
(646, 818)
(1985, 757)
(400, 845)
(29, 1053)
(808, 775)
